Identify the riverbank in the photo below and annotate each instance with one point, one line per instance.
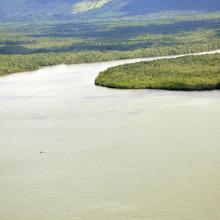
(22, 63)
(188, 73)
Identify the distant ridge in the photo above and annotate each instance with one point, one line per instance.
(65, 9)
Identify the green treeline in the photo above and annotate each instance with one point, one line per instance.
(187, 73)
(21, 63)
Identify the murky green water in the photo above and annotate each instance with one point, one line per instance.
(109, 154)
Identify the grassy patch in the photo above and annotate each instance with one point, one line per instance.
(88, 5)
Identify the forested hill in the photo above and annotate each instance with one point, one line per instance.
(49, 9)
(152, 6)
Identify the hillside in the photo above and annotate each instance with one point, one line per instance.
(65, 9)
(151, 6)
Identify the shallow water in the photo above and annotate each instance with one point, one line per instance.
(106, 154)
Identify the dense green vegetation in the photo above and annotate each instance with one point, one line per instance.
(189, 73)
(68, 9)
(21, 63)
(29, 45)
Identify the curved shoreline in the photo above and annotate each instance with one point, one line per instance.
(188, 72)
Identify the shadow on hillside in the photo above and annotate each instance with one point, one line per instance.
(19, 49)
(88, 31)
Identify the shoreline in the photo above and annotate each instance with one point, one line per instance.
(122, 61)
(190, 72)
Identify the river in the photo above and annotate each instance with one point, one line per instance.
(73, 151)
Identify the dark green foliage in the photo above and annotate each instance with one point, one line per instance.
(186, 73)
(29, 45)
(20, 63)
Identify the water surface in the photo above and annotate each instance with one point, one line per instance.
(71, 150)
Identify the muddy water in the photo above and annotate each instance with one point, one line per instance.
(71, 150)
